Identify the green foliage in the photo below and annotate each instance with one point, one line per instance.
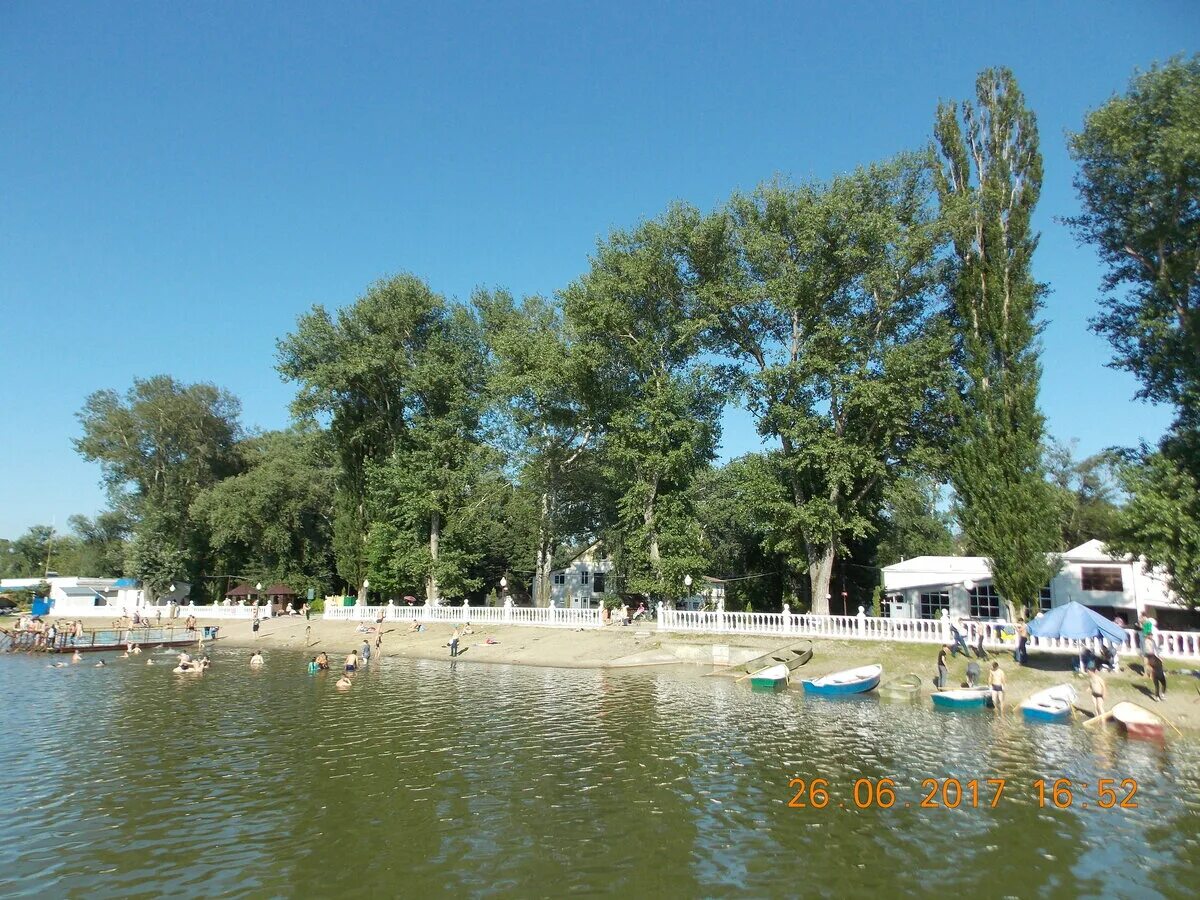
(988, 182)
(912, 524)
(1084, 491)
(273, 521)
(158, 448)
(1161, 521)
(547, 423)
(823, 299)
(154, 558)
(636, 319)
(357, 367)
(1139, 180)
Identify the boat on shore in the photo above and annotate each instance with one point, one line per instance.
(793, 656)
(1054, 704)
(773, 678)
(903, 687)
(848, 681)
(963, 698)
(1138, 721)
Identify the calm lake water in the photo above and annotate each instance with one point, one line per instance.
(428, 777)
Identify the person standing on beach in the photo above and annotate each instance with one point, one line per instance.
(997, 679)
(454, 643)
(1154, 668)
(1099, 691)
(943, 671)
(1022, 641)
(254, 625)
(307, 612)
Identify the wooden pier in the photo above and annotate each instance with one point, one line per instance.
(102, 639)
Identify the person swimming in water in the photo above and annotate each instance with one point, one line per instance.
(256, 660)
(76, 657)
(344, 682)
(313, 668)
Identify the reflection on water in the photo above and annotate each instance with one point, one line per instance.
(430, 776)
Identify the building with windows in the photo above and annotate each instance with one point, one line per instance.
(583, 581)
(921, 587)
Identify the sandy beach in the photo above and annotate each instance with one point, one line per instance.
(639, 646)
(632, 646)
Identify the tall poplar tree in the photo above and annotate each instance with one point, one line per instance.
(988, 182)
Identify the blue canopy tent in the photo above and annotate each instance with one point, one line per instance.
(1076, 622)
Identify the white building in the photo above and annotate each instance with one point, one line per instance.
(921, 587)
(79, 596)
(583, 581)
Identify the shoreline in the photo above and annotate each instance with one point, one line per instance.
(633, 646)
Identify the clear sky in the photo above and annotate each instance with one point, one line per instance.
(179, 181)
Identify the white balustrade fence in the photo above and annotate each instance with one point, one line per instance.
(544, 617)
(997, 635)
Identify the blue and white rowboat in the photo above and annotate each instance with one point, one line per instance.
(851, 681)
(1051, 705)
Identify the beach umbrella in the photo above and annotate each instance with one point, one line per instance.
(1075, 622)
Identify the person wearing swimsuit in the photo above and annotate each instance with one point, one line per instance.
(996, 679)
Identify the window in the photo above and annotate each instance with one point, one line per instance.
(560, 578)
(1097, 578)
(583, 576)
(933, 604)
(1045, 600)
(598, 583)
(985, 602)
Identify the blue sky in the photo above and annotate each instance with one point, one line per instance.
(179, 181)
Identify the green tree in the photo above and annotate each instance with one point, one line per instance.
(1139, 182)
(635, 316)
(402, 374)
(1161, 521)
(538, 384)
(823, 297)
(1085, 490)
(28, 556)
(913, 522)
(274, 520)
(100, 543)
(988, 183)
(354, 366)
(158, 447)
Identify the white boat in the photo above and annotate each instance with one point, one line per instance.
(1053, 704)
(850, 681)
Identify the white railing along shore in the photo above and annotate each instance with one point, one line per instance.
(544, 617)
(997, 635)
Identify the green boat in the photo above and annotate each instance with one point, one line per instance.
(772, 678)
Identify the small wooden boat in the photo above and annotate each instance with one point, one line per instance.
(1139, 721)
(1054, 704)
(904, 687)
(963, 698)
(850, 681)
(793, 656)
(773, 678)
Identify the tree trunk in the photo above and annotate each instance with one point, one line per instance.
(820, 571)
(652, 530)
(545, 559)
(435, 533)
